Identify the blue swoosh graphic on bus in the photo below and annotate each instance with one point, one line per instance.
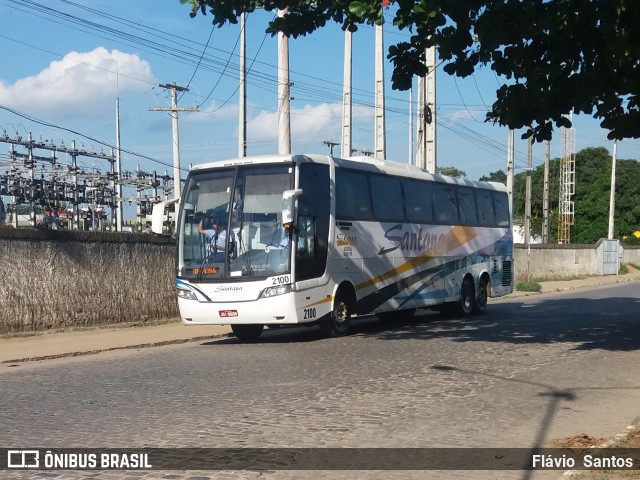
(428, 283)
(372, 301)
(187, 286)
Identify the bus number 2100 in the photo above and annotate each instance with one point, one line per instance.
(281, 280)
(309, 313)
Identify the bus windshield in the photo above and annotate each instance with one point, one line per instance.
(245, 201)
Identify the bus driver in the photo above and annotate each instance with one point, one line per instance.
(217, 237)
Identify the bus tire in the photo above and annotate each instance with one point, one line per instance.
(467, 300)
(247, 333)
(480, 305)
(338, 323)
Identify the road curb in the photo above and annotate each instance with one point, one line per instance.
(110, 349)
(519, 293)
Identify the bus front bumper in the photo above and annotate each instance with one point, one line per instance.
(276, 310)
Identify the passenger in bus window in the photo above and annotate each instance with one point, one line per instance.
(217, 236)
(284, 241)
(2, 212)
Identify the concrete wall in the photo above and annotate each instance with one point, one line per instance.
(59, 279)
(552, 261)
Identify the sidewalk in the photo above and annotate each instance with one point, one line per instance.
(561, 285)
(74, 343)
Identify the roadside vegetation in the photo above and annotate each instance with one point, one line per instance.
(592, 191)
(629, 267)
(529, 286)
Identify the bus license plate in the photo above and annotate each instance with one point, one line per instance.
(228, 313)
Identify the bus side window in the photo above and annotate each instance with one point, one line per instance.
(387, 198)
(467, 206)
(501, 204)
(353, 201)
(486, 215)
(418, 201)
(445, 203)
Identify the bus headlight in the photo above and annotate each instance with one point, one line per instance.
(186, 294)
(275, 291)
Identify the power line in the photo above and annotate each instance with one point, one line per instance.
(199, 60)
(75, 132)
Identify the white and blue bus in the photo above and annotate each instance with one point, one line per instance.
(319, 240)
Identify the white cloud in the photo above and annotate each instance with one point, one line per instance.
(212, 113)
(461, 115)
(307, 123)
(79, 83)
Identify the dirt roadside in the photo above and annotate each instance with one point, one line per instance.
(583, 441)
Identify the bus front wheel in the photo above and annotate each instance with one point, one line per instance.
(247, 333)
(464, 305)
(337, 325)
(467, 301)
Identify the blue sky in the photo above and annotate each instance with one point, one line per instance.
(65, 62)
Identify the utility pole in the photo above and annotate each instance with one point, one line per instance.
(14, 198)
(612, 196)
(118, 179)
(347, 108)
(31, 166)
(426, 135)
(176, 142)
(527, 208)
(330, 144)
(114, 197)
(380, 146)
(421, 150)
(284, 94)
(510, 173)
(242, 127)
(74, 173)
(411, 125)
(430, 113)
(545, 194)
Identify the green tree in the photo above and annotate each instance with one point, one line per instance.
(557, 55)
(592, 191)
(498, 176)
(627, 219)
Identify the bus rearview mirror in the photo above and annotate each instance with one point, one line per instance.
(158, 216)
(289, 205)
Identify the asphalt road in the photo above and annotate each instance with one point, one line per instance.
(531, 369)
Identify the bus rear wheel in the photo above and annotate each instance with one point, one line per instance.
(247, 333)
(480, 305)
(337, 325)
